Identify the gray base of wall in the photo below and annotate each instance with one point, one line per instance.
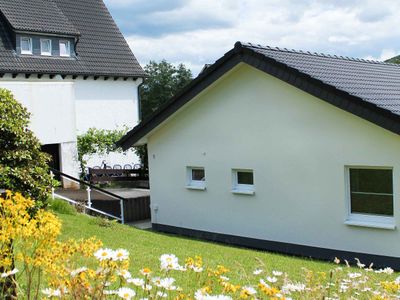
(379, 261)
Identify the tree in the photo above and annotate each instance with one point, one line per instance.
(394, 60)
(23, 167)
(163, 82)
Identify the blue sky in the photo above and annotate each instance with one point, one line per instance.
(196, 32)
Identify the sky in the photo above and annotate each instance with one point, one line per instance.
(198, 32)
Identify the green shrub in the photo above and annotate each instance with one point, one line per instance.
(98, 141)
(103, 222)
(62, 207)
(23, 167)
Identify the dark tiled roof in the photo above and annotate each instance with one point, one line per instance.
(368, 89)
(101, 48)
(372, 81)
(36, 15)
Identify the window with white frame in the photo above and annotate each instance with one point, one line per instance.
(370, 194)
(45, 47)
(196, 178)
(26, 45)
(243, 181)
(65, 48)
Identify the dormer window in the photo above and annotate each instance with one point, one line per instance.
(65, 49)
(26, 45)
(45, 47)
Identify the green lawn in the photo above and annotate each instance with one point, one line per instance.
(145, 248)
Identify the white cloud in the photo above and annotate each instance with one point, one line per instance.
(384, 55)
(358, 28)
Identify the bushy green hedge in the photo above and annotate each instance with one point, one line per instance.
(23, 167)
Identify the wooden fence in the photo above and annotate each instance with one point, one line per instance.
(140, 176)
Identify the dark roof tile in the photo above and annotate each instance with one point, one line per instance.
(101, 50)
(42, 16)
(373, 81)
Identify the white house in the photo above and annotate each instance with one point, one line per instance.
(68, 63)
(281, 150)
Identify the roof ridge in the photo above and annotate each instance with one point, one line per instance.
(347, 58)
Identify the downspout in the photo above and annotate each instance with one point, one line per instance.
(75, 45)
(139, 102)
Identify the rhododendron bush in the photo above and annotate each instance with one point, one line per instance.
(36, 265)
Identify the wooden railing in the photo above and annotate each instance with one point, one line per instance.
(108, 175)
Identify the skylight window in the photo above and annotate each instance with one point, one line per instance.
(65, 49)
(26, 45)
(45, 47)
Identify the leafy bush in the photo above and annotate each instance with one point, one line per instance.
(62, 207)
(23, 167)
(98, 141)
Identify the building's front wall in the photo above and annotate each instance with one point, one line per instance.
(52, 107)
(298, 147)
(51, 104)
(62, 108)
(107, 104)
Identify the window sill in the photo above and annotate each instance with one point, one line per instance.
(193, 187)
(243, 192)
(371, 224)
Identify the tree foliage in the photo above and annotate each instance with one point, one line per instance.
(98, 141)
(23, 167)
(394, 60)
(163, 82)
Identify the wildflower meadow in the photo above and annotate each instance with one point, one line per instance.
(35, 264)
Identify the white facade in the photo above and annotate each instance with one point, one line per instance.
(62, 108)
(298, 147)
(107, 104)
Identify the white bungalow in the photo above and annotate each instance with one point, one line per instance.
(281, 150)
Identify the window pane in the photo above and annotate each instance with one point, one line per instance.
(26, 44)
(45, 46)
(64, 48)
(371, 180)
(372, 204)
(198, 174)
(371, 191)
(245, 177)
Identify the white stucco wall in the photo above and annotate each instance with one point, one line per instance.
(51, 103)
(298, 147)
(107, 104)
(52, 107)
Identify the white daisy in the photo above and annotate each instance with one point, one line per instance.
(249, 290)
(125, 274)
(257, 272)
(78, 271)
(272, 279)
(126, 293)
(169, 262)
(277, 273)
(104, 254)
(120, 255)
(51, 292)
(9, 273)
(136, 281)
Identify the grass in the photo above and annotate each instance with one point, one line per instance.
(59, 205)
(145, 248)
